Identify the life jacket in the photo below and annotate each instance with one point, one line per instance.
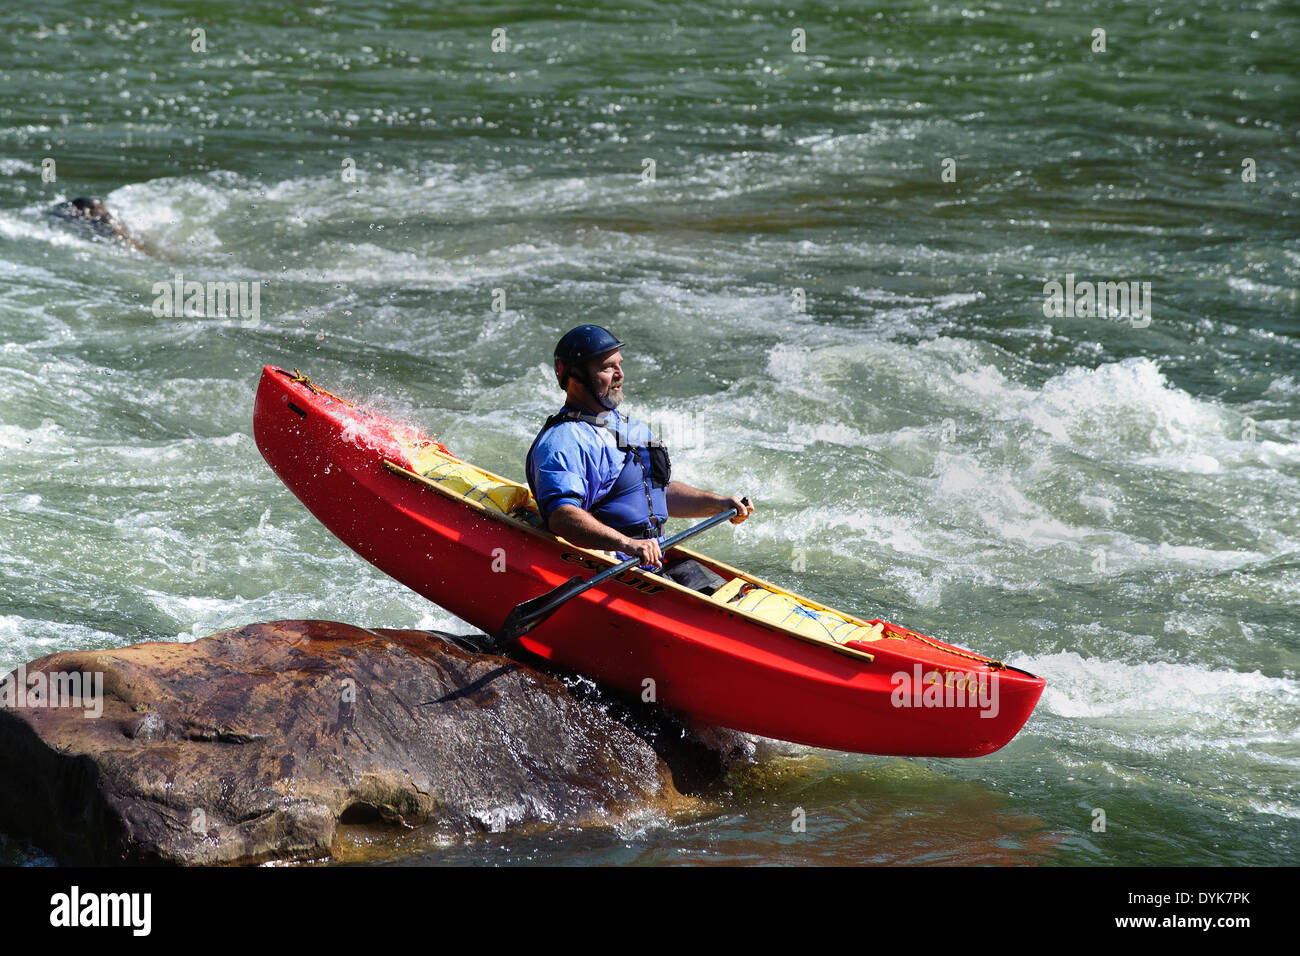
(634, 504)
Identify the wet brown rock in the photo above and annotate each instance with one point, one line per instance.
(257, 743)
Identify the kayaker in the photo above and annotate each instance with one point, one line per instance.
(600, 478)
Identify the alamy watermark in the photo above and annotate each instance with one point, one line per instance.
(945, 689)
(212, 299)
(1086, 299)
(673, 430)
(55, 689)
(75, 908)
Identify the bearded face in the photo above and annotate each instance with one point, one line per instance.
(605, 375)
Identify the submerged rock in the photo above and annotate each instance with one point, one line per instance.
(259, 743)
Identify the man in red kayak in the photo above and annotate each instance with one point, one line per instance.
(600, 478)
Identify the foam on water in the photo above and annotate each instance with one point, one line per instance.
(48, 437)
(28, 226)
(999, 464)
(24, 639)
(1224, 739)
(1162, 698)
(10, 166)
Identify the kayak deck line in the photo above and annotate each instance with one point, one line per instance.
(655, 579)
(300, 379)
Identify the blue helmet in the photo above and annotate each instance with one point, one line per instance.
(578, 347)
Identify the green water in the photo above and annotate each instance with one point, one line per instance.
(1111, 504)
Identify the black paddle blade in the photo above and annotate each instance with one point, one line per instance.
(531, 613)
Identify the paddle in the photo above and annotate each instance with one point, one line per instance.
(528, 615)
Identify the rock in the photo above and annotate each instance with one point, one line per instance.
(260, 743)
(91, 219)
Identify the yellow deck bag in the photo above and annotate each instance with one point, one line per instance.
(790, 612)
(425, 455)
(467, 480)
(432, 460)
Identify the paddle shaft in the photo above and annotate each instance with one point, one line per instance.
(527, 615)
(668, 543)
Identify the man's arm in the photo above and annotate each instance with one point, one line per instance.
(583, 529)
(687, 502)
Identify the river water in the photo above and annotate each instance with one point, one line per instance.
(833, 267)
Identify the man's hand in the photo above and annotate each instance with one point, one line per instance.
(743, 507)
(647, 549)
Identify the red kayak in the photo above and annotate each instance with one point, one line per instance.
(817, 676)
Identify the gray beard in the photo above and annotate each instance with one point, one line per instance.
(609, 401)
